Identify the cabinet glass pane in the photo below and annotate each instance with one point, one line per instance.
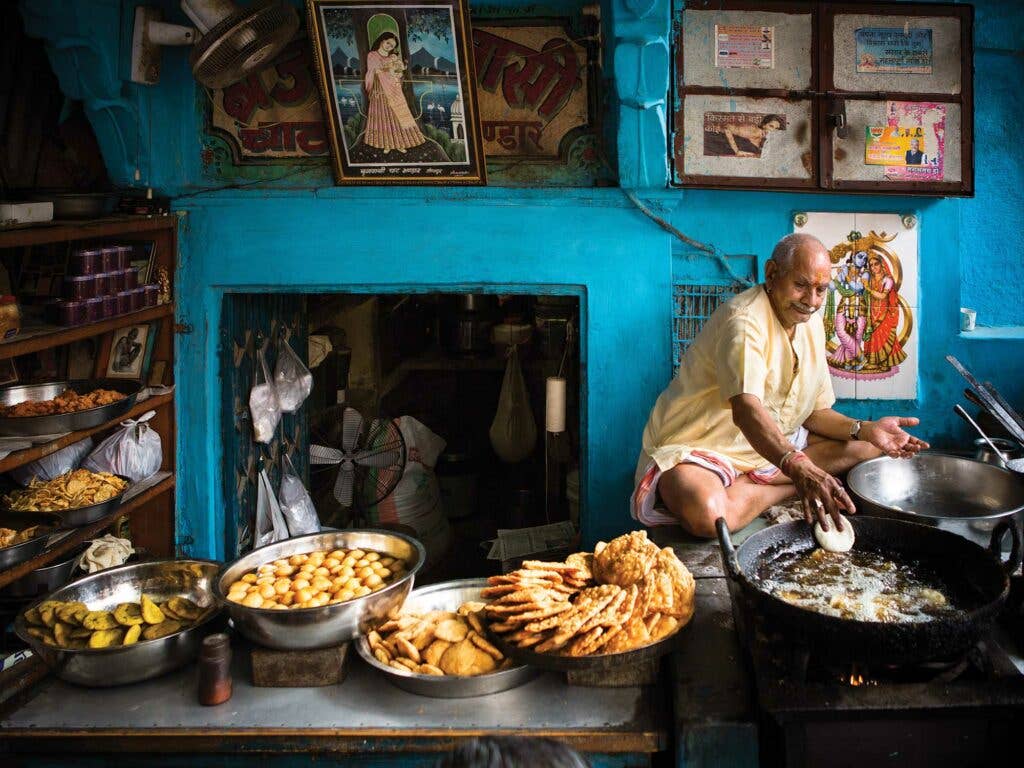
(789, 51)
(747, 137)
(876, 53)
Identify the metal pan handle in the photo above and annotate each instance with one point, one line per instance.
(1012, 563)
(732, 563)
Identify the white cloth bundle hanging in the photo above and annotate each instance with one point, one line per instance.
(513, 431)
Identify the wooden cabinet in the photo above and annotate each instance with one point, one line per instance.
(833, 97)
(149, 505)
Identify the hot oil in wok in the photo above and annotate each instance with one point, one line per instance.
(860, 585)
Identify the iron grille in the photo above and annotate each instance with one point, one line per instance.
(692, 305)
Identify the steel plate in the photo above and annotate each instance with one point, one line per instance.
(74, 518)
(26, 550)
(446, 596)
(59, 423)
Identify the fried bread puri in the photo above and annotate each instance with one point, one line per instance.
(626, 595)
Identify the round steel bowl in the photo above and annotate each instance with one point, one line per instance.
(59, 423)
(43, 581)
(446, 596)
(26, 550)
(160, 579)
(932, 486)
(73, 518)
(306, 628)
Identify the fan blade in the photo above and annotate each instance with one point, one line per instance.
(351, 430)
(378, 459)
(322, 454)
(344, 485)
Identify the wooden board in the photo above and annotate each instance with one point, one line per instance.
(299, 669)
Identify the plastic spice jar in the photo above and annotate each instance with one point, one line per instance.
(124, 302)
(131, 278)
(93, 310)
(110, 256)
(106, 282)
(152, 294)
(124, 256)
(85, 261)
(72, 313)
(138, 298)
(110, 306)
(215, 670)
(80, 287)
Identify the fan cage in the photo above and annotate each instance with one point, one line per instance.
(229, 50)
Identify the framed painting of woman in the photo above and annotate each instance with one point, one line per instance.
(397, 83)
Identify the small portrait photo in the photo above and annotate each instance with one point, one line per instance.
(128, 352)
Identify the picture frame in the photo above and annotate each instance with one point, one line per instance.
(144, 257)
(130, 351)
(8, 372)
(381, 65)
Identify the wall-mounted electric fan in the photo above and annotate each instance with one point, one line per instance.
(229, 41)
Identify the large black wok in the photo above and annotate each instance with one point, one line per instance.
(976, 579)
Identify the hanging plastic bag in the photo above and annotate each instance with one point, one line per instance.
(296, 505)
(263, 404)
(135, 452)
(270, 524)
(292, 379)
(513, 431)
(54, 465)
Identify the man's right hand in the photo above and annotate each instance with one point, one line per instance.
(821, 495)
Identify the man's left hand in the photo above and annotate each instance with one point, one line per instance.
(888, 436)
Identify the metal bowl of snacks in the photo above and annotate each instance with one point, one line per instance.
(70, 488)
(43, 581)
(56, 419)
(438, 603)
(86, 646)
(27, 534)
(346, 612)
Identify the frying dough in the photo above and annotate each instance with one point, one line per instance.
(834, 540)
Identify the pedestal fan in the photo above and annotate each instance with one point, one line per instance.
(369, 460)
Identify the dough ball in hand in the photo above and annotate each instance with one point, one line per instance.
(834, 540)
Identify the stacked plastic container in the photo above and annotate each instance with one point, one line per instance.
(101, 283)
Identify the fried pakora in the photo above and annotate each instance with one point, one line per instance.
(67, 401)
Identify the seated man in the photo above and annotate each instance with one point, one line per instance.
(748, 422)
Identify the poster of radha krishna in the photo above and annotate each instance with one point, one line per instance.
(398, 87)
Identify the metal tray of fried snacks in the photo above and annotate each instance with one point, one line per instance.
(59, 423)
(76, 516)
(45, 524)
(598, 662)
(446, 596)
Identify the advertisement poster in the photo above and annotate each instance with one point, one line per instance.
(532, 88)
(740, 47)
(739, 134)
(912, 144)
(894, 50)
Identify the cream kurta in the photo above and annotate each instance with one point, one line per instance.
(742, 349)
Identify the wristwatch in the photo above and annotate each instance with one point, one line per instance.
(855, 430)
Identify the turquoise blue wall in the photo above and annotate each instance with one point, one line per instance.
(315, 237)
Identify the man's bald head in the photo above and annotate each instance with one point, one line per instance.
(795, 247)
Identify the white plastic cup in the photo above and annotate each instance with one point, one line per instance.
(968, 319)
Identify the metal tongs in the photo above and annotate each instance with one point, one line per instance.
(989, 398)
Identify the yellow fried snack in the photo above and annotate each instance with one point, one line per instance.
(151, 612)
(132, 635)
(164, 628)
(72, 490)
(129, 614)
(99, 620)
(104, 638)
(72, 613)
(182, 608)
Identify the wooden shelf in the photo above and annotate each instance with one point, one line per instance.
(35, 339)
(80, 535)
(60, 231)
(17, 458)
